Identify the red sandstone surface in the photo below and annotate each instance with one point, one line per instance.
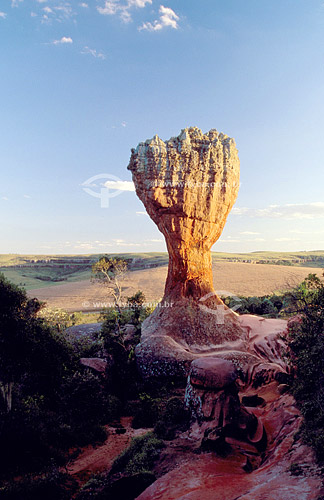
(209, 477)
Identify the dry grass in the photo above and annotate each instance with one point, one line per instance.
(229, 278)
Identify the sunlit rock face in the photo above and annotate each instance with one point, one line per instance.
(188, 185)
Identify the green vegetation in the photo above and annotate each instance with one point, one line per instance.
(60, 319)
(119, 343)
(49, 403)
(131, 472)
(51, 484)
(109, 272)
(306, 354)
(270, 306)
(139, 456)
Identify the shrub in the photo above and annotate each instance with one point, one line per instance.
(140, 456)
(52, 485)
(173, 418)
(306, 355)
(147, 412)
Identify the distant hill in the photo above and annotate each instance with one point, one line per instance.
(37, 271)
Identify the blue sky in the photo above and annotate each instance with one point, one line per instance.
(81, 83)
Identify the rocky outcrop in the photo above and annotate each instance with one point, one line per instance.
(98, 365)
(216, 410)
(188, 186)
(286, 470)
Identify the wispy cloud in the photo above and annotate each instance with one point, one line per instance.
(84, 5)
(141, 213)
(93, 53)
(63, 11)
(120, 185)
(3, 15)
(63, 40)
(168, 18)
(248, 232)
(15, 3)
(286, 239)
(297, 231)
(113, 7)
(313, 210)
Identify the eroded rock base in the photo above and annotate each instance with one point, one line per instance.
(245, 473)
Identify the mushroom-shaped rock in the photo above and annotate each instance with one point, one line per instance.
(188, 185)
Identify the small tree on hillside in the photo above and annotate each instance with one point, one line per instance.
(110, 272)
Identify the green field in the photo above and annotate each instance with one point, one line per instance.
(38, 271)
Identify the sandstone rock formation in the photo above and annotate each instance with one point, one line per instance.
(217, 413)
(244, 474)
(188, 186)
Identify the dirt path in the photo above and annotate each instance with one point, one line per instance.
(100, 458)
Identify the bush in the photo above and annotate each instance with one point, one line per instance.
(175, 417)
(47, 404)
(268, 305)
(306, 355)
(115, 487)
(147, 411)
(52, 485)
(140, 456)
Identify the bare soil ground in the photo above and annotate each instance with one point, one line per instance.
(229, 278)
(93, 460)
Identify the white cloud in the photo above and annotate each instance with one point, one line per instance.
(248, 232)
(5, 198)
(64, 39)
(120, 185)
(15, 3)
(287, 239)
(48, 10)
(41, 1)
(27, 196)
(124, 124)
(309, 211)
(168, 18)
(141, 213)
(84, 5)
(93, 52)
(33, 14)
(63, 11)
(297, 231)
(229, 240)
(113, 7)
(3, 15)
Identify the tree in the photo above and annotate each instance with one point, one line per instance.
(109, 272)
(306, 354)
(28, 347)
